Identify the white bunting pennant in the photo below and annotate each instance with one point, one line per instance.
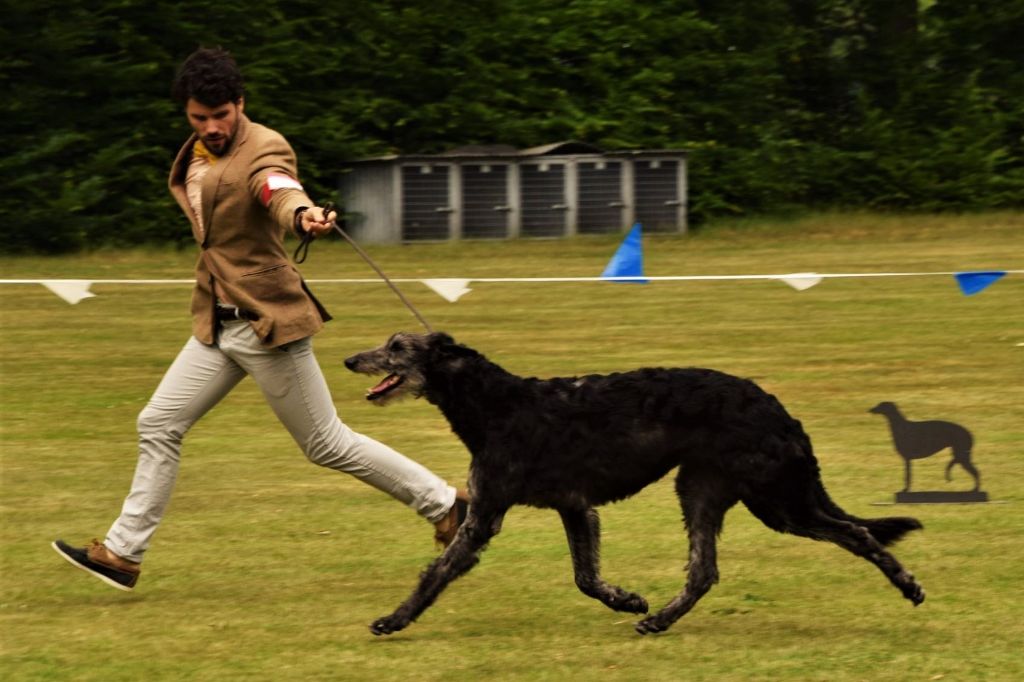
(449, 289)
(801, 280)
(71, 290)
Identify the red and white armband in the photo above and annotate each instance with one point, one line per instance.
(274, 182)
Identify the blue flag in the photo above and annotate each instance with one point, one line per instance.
(973, 282)
(628, 261)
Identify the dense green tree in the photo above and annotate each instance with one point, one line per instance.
(784, 103)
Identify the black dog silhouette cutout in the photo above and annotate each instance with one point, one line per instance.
(921, 439)
(917, 440)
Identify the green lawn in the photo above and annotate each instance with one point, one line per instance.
(267, 567)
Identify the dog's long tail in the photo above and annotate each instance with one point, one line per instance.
(805, 509)
(887, 529)
(806, 500)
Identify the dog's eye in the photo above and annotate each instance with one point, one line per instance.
(395, 347)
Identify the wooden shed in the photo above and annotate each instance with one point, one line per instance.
(498, 192)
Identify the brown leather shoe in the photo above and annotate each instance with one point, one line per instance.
(446, 528)
(99, 561)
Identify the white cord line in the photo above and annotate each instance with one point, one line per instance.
(651, 278)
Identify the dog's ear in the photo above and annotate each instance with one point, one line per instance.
(441, 339)
(444, 346)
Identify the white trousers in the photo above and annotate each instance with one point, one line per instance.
(294, 386)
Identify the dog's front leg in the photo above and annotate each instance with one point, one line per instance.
(583, 530)
(464, 553)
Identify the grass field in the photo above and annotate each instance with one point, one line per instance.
(267, 567)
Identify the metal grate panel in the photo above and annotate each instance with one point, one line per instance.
(425, 209)
(600, 197)
(656, 194)
(485, 206)
(542, 199)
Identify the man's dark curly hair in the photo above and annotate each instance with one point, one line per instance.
(210, 76)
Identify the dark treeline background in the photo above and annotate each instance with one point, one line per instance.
(886, 104)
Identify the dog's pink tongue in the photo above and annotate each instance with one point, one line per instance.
(388, 381)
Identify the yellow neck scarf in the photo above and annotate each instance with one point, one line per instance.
(199, 150)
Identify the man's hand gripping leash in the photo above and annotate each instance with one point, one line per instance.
(302, 250)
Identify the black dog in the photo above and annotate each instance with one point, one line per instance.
(572, 444)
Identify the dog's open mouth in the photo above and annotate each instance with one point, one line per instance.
(388, 384)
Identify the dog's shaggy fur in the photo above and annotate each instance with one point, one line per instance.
(572, 444)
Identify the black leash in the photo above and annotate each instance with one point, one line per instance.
(302, 251)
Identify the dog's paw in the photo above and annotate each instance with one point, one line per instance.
(909, 587)
(387, 625)
(651, 625)
(631, 603)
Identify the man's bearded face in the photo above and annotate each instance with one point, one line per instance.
(215, 126)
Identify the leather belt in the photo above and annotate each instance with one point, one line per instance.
(227, 313)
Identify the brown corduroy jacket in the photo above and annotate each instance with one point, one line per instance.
(242, 239)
